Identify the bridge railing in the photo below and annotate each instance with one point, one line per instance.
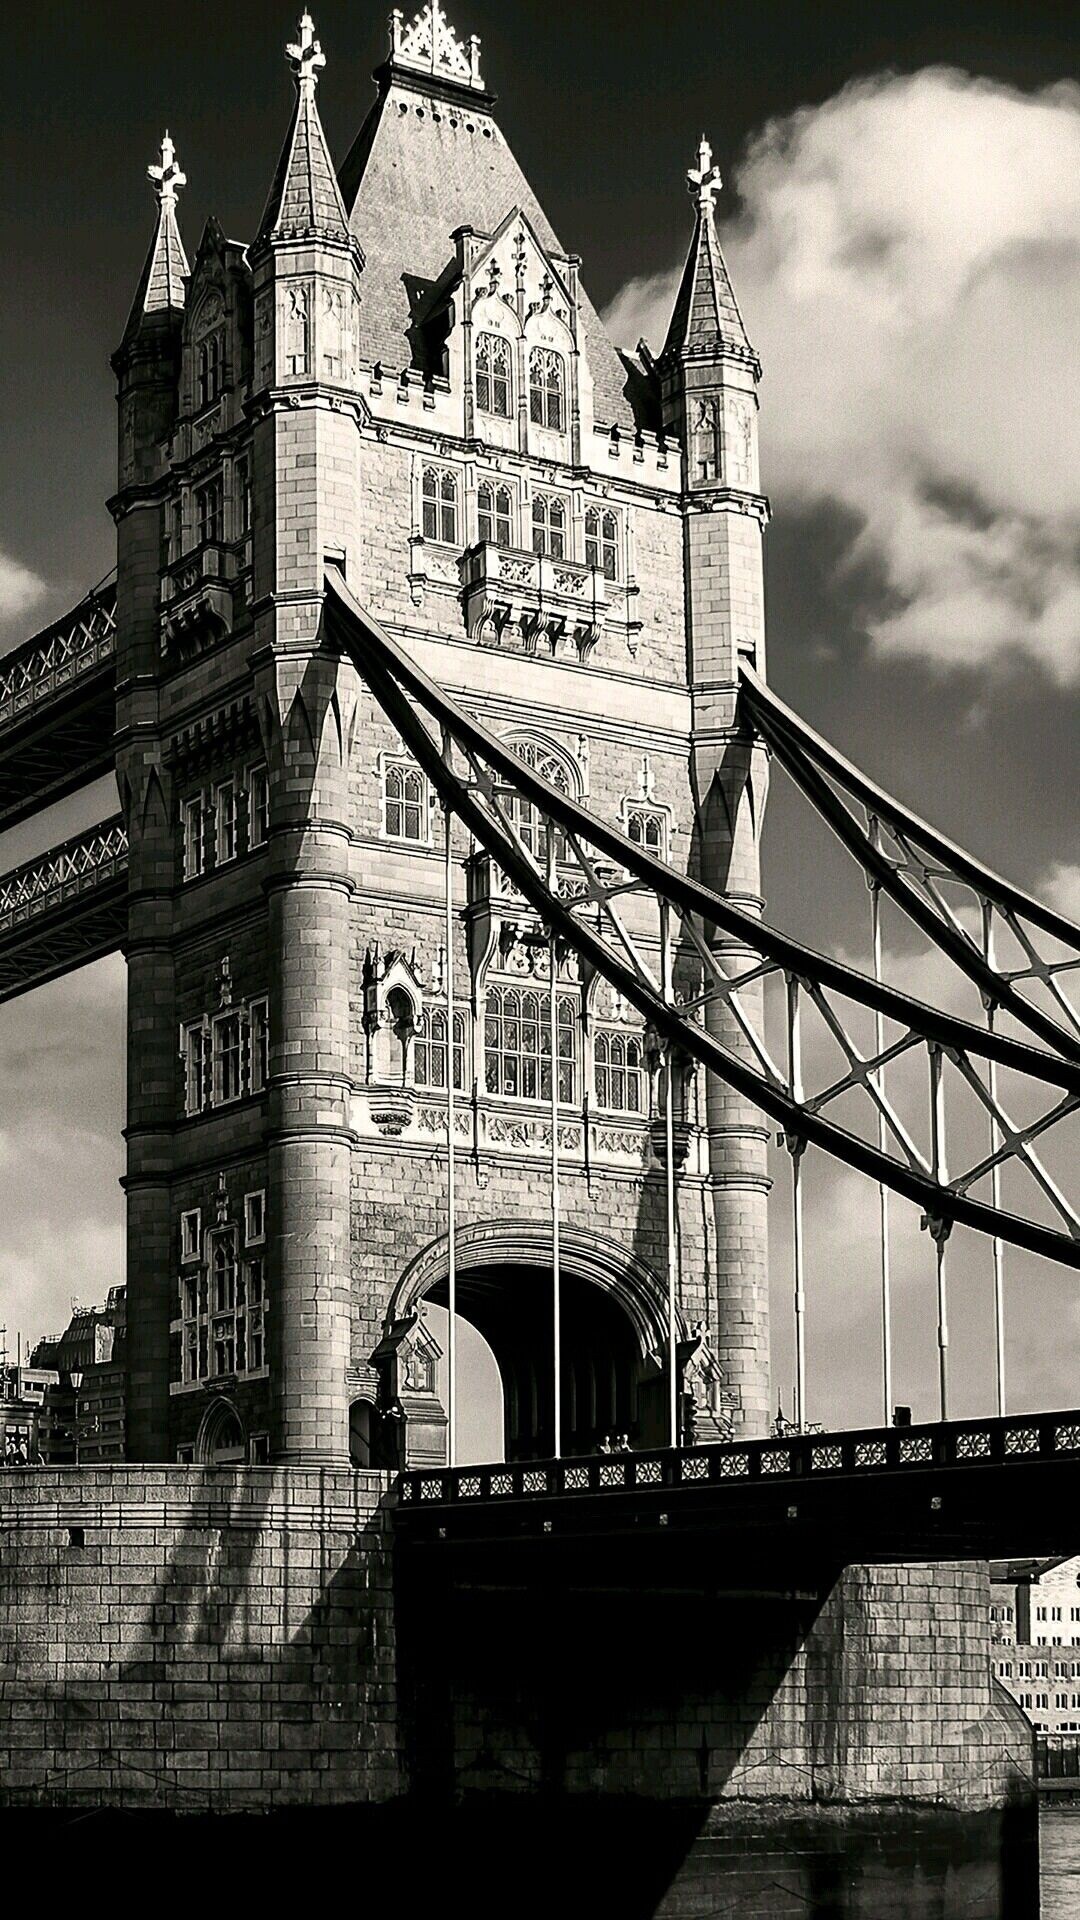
(65, 652)
(775, 1460)
(78, 866)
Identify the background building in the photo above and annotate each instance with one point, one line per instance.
(1035, 1629)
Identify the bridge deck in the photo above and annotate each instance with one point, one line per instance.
(57, 708)
(973, 1489)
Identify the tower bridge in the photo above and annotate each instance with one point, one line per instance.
(433, 679)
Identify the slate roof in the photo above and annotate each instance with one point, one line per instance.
(706, 312)
(411, 179)
(305, 196)
(161, 283)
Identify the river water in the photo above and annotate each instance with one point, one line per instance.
(1059, 1863)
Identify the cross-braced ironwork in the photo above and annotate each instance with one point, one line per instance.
(474, 773)
(55, 659)
(67, 907)
(933, 881)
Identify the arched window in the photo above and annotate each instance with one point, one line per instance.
(440, 505)
(402, 1025)
(602, 541)
(405, 802)
(495, 514)
(549, 525)
(645, 826)
(517, 1043)
(525, 816)
(619, 1067)
(211, 368)
(547, 389)
(493, 375)
(429, 1051)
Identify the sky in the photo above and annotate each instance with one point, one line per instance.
(901, 218)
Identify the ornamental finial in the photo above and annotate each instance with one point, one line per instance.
(167, 177)
(305, 56)
(704, 179)
(429, 45)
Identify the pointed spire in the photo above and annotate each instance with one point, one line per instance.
(161, 283)
(705, 318)
(305, 197)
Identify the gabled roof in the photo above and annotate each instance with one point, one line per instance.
(304, 196)
(705, 317)
(422, 166)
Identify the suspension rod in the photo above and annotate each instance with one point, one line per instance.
(796, 1145)
(556, 1277)
(939, 1228)
(669, 1183)
(451, 1116)
(883, 1191)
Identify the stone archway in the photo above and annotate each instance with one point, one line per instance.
(614, 1332)
(221, 1438)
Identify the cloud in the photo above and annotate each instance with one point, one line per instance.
(908, 261)
(20, 589)
(1061, 889)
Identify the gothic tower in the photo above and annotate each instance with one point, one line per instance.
(402, 378)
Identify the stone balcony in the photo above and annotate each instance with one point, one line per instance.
(199, 594)
(511, 597)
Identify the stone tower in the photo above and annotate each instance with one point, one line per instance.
(402, 378)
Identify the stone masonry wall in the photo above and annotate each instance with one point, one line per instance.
(187, 1637)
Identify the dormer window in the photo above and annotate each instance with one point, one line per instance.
(440, 505)
(602, 541)
(493, 375)
(549, 525)
(547, 389)
(495, 514)
(211, 368)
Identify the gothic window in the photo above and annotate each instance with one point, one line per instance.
(190, 1234)
(222, 1312)
(645, 827)
(549, 525)
(209, 511)
(225, 823)
(191, 826)
(517, 1043)
(254, 1218)
(429, 1051)
(259, 1045)
(547, 389)
(258, 787)
(196, 1057)
(440, 505)
(619, 1067)
(211, 367)
(242, 475)
(527, 818)
(493, 375)
(227, 1058)
(495, 514)
(602, 541)
(405, 802)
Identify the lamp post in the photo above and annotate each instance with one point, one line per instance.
(76, 1382)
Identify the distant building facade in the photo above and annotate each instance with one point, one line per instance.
(68, 1402)
(1035, 1632)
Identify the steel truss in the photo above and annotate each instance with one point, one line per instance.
(60, 656)
(918, 867)
(472, 772)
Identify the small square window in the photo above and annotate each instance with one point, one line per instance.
(406, 803)
(260, 1449)
(254, 1217)
(190, 1234)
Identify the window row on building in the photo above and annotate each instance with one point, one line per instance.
(516, 1039)
(501, 520)
(494, 381)
(225, 1056)
(215, 511)
(408, 806)
(222, 1304)
(1056, 1613)
(223, 821)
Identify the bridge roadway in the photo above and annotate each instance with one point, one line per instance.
(782, 1511)
(63, 909)
(57, 708)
